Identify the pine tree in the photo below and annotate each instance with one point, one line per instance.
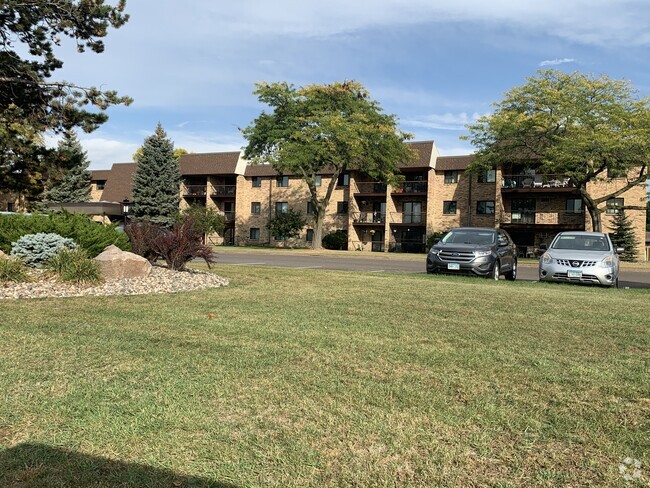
(74, 183)
(622, 235)
(156, 182)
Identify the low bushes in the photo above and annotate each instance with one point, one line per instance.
(92, 236)
(74, 265)
(12, 270)
(177, 246)
(35, 249)
(336, 240)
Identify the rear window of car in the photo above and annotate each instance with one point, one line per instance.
(468, 237)
(581, 243)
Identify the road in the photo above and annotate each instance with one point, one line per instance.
(379, 263)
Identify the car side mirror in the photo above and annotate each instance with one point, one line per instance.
(620, 250)
(543, 247)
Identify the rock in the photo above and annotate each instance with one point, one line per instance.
(117, 264)
(3, 255)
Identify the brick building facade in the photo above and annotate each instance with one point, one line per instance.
(436, 194)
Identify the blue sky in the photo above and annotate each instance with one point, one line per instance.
(436, 64)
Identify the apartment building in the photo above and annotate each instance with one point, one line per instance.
(435, 195)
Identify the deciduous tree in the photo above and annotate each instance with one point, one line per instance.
(336, 127)
(571, 124)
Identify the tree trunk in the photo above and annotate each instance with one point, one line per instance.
(592, 208)
(318, 229)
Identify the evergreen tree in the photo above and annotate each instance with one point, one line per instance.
(73, 185)
(156, 182)
(622, 235)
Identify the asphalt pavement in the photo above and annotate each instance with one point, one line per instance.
(380, 263)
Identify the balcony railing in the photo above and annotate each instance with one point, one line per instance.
(195, 190)
(408, 246)
(535, 181)
(369, 217)
(410, 187)
(224, 190)
(364, 245)
(230, 216)
(370, 187)
(543, 218)
(415, 218)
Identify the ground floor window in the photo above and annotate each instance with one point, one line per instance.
(255, 234)
(485, 207)
(615, 206)
(310, 235)
(574, 205)
(449, 207)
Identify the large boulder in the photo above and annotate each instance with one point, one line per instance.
(117, 264)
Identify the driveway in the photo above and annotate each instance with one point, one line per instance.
(378, 263)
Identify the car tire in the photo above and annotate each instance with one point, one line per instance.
(496, 271)
(512, 274)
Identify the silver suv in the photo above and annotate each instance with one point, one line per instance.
(581, 257)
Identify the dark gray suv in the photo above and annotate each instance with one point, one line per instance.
(475, 251)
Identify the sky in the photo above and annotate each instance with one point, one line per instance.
(436, 64)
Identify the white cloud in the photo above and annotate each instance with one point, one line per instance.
(555, 62)
(104, 151)
(446, 121)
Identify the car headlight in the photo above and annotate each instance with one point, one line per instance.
(546, 258)
(434, 251)
(479, 254)
(607, 262)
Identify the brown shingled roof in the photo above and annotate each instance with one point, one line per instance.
(100, 174)
(119, 182)
(453, 162)
(423, 160)
(424, 149)
(223, 163)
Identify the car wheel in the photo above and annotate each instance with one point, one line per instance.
(512, 274)
(496, 271)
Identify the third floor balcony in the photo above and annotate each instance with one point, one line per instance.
(224, 191)
(536, 182)
(410, 188)
(194, 190)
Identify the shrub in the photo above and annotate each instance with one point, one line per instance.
(142, 236)
(36, 249)
(90, 235)
(435, 237)
(287, 224)
(75, 265)
(206, 219)
(12, 270)
(178, 245)
(336, 240)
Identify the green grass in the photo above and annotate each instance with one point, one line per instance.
(323, 378)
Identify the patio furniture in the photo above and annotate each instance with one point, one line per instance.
(527, 183)
(538, 181)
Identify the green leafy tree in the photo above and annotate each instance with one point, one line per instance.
(206, 219)
(31, 102)
(287, 224)
(570, 124)
(334, 127)
(156, 181)
(622, 235)
(74, 185)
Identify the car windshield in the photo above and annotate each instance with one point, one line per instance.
(480, 238)
(581, 243)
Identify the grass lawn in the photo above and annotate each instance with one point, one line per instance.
(324, 378)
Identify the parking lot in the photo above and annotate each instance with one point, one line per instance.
(631, 277)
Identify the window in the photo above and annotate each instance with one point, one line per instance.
(278, 238)
(310, 235)
(101, 184)
(282, 181)
(489, 176)
(485, 207)
(614, 206)
(318, 180)
(344, 180)
(310, 208)
(281, 207)
(10, 207)
(449, 207)
(257, 181)
(256, 208)
(574, 205)
(451, 176)
(341, 207)
(255, 234)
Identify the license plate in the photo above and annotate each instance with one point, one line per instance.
(574, 273)
(453, 266)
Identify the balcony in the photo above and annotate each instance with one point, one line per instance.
(369, 218)
(544, 218)
(195, 190)
(370, 188)
(536, 182)
(410, 188)
(229, 216)
(408, 218)
(224, 191)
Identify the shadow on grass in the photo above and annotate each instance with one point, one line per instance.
(38, 465)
